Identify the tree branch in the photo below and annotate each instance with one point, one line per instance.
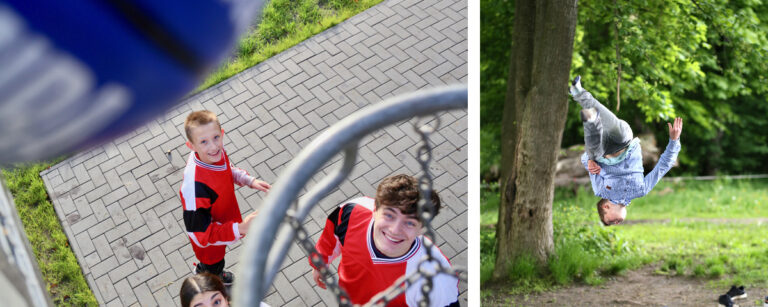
(618, 54)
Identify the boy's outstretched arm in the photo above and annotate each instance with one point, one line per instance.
(242, 178)
(668, 158)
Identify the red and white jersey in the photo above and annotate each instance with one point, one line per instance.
(348, 233)
(211, 213)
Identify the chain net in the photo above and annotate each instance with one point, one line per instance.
(426, 211)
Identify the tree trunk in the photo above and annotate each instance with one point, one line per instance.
(534, 118)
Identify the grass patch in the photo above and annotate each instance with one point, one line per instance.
(284, 24)
(723, 198)
(585, 251)
(723, 253)
(60, 270)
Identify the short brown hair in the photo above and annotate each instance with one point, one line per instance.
(199, 118)
(200, 283)
(402, 192)
(601, 211)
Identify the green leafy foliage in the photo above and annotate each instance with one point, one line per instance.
(495, 37)
(702, 60)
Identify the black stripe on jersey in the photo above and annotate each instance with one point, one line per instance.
(198, 220)
(342, 223)
(454, 304)
(204, 191)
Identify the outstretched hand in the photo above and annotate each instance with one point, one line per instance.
(593, 167)
(318, 278)
(260, 185)
(675, 129)
(247, 222)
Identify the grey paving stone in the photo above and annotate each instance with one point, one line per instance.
(117, 214)
(274, 299)
(106, 288)
(180, 266)
(136, 235)
(140, 276)
(83, 224)
(120, 272)
(101, 242)
(307, 295)
(104, 267)
(120, 249)
(163, 298)
(91, 260)
(144, 296)
(125, 292)
(100, 228)
(155, 239)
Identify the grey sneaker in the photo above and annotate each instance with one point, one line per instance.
(576, 86)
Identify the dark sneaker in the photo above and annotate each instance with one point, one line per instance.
(737, 292)
(725, 300)
(227, 278)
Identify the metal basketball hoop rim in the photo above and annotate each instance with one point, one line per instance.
(259, 267)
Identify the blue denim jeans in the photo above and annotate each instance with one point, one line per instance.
(607, 134)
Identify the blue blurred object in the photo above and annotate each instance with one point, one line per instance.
(78, 73)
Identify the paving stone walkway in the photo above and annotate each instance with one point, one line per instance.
(119, 203)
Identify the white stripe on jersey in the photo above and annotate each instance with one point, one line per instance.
(188, 186)
(234, 229)
(364, 201)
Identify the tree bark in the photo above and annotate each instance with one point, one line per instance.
(534, 118)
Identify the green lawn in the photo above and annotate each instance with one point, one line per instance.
(63, 277)
(704, 199)
(723, 252)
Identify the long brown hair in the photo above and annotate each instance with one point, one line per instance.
(198, 284)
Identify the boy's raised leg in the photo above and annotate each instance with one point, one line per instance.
(603, 133)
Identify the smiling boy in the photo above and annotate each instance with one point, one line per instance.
(211, 213)
(381, 240)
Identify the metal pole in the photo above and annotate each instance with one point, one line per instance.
(20, 280)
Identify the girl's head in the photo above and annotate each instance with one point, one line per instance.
(203, 290)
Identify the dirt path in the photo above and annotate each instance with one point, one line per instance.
(635, 288)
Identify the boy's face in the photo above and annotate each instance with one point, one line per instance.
(207, 142)
(393, 231)
(614, 213)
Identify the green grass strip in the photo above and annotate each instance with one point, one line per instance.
(61, 272)
(284, 24)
